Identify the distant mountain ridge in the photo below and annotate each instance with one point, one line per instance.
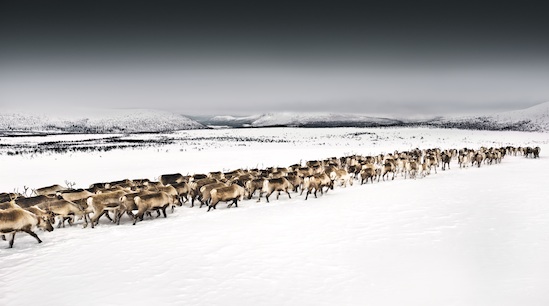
(289, 119)
(98, 121)
(535, 118)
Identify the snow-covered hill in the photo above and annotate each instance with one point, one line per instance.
(290, 119)
(98, 121)
(535, 118)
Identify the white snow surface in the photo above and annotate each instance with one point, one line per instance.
(105, 121)
(472, 236)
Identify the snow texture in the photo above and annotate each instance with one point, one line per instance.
(107, 121)
(472, 236)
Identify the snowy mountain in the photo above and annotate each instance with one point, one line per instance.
(535, 118)
(302, 120)
(98, 121)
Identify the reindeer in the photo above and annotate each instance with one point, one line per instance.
(183, 189)
(50, 216)
(295, 180)
(127, 205)
(388, 166)
(196, 185)
(65, 210)
(254, 185)
(154, 201)
(171, 179)
(368, 171)
(7, 197)
(536, 152)
(218, 175)
(102, 203)
(225, 194)
(463, 160)
(277, 184)
(170, 190)
(205, 192)
(445, 158)
(49, 190)
(478, 158)
(74, 195)
(310, 183)
(342, 176)
(413, 168)
(316, 182)
(15, 220)
(28, 202)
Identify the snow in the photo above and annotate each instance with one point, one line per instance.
(535, 118)
(98, 121)
(298, 119)
(473, 236)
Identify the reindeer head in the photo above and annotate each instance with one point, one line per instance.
(45, 224)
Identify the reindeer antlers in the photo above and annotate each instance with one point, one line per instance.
(70, 185)
(25, 193)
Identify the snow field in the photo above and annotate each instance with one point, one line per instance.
(460, 237)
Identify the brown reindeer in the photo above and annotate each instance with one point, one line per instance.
(195, 188)
(368, 172)
(254, 185)
(15, 220)
(277, 184)
(317, 182)
(154, 201)
(49, 190)
(205, 196)
(171, 179)
(65, 210)
(102, 203)
(445, 158)
(225, 194)
(388, 166)
(183, 189)
(31, 201)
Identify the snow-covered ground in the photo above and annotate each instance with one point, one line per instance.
(474, 236)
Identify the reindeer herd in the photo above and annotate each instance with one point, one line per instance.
(138, 198)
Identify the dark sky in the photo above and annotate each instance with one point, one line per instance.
(384, 57)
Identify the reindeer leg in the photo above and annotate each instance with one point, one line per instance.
(108, 216)
(12, 239)
(61, 221)
(236, 202)
(100, 215)
(33, 234)
(4, 237)
(164, 211)
(289, 196)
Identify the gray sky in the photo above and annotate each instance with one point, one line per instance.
(361, 58)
